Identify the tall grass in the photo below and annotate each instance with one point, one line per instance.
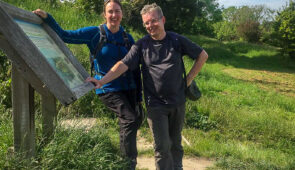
(6, 133)
(74, 149)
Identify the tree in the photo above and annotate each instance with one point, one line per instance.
(245, 21)
(189, 16)
(179, 14)
(285, 26)
(131, 12)
(208, 13)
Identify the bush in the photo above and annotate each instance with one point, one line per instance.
(225, 31)
(249, 31)
(198, 119)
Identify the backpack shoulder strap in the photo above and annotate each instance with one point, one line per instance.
(176, 45)
(175, 42)
(127, 43)
(145, 41)
(101, 42)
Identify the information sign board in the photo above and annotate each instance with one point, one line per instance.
(44, 52)
(54, 56)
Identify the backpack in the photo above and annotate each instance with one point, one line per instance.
(102, 41)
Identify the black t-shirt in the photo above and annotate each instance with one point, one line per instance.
(162, 69)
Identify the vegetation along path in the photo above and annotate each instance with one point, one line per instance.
(143, 162)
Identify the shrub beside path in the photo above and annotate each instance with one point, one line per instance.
(143, 162)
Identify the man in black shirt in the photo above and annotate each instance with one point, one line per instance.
(160, 54)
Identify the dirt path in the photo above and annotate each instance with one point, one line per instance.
(143, 162)
(189, 163)
(148, 163)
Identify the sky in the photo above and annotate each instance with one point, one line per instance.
(273, 4)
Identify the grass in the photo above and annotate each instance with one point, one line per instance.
(6, 133)
(245, 118)
(74, 149)
(244, 98)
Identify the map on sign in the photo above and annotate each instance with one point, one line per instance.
(55, 57)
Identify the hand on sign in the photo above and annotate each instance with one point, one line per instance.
(97, 83)
(41, 13)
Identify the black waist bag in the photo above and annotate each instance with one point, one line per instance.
(193, 92)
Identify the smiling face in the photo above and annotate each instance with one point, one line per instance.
(113, 15)
(154, 24)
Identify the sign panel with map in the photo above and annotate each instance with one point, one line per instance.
(41, 50)
(55, 57)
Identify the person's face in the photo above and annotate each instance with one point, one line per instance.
(153, 24)
(113, 14)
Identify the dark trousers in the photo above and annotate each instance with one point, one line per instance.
(166, 125)
(123, 104)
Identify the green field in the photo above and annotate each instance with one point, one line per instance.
(244, 120)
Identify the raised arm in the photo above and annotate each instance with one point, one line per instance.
(199, 62)
(118, 69)
(79, 36)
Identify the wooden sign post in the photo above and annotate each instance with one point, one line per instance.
(41, 62)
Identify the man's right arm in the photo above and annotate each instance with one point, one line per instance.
(118, 69)
(130, 61)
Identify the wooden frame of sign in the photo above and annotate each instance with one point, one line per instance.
(42, 62)
(54, 64)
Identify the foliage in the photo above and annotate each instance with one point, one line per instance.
(132, 17)
(197, 119)
(179, 15)
(6, 134)
(190, 16)
(225, 31)
(90, 6)
(249, 31)
(245, 22)
(285, 27)
(5, 81)
(208, 13)
(74, 149)
(202, 26)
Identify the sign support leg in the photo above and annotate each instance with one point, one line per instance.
(48, 115)
(23, 115)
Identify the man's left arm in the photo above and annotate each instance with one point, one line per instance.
(199, 62)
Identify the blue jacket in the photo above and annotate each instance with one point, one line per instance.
(108, 56)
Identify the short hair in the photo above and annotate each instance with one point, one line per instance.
(152, 7)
